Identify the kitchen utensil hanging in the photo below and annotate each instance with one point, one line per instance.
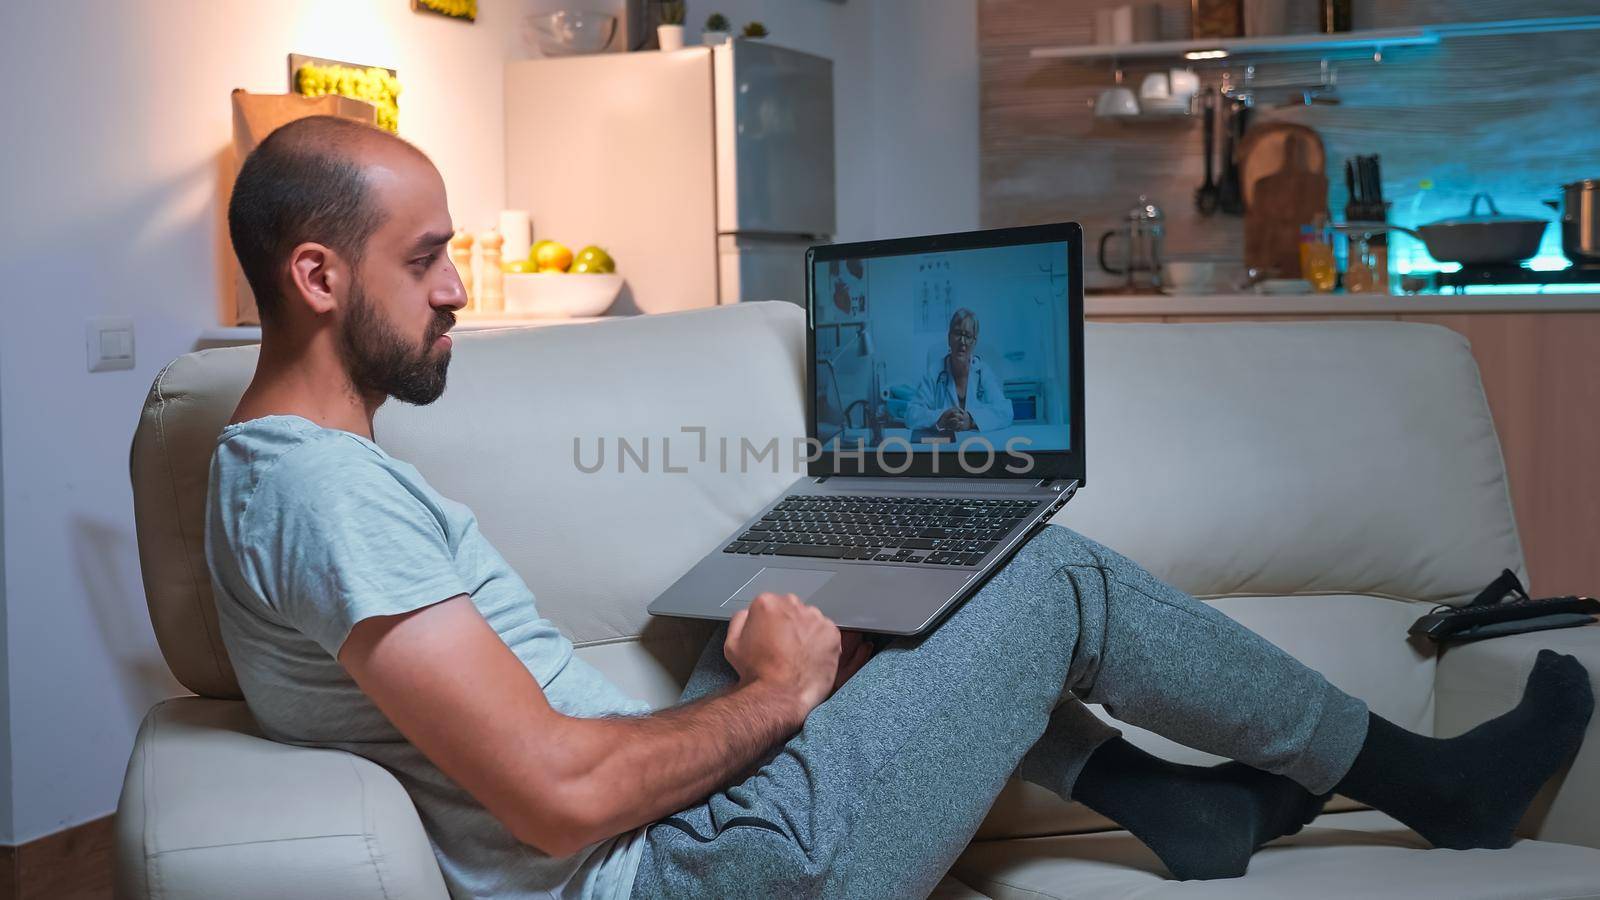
(1230, 195)
(1205, 198)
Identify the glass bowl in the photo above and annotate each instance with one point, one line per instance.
(568, 32)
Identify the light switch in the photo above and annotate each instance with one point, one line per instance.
(109, 342)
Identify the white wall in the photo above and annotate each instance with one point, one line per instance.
(117, 121)
(117, 125)
(924, 142)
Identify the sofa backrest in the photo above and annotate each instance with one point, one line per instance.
(595, 548)
(1296, 458)
(1230, 459)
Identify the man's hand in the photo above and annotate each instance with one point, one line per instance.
(788, 646)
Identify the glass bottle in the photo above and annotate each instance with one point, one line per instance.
(1316, 260)
(1358, 271)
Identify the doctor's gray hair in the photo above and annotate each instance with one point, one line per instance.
(964, 315)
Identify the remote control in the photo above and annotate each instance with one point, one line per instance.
(1441, 625)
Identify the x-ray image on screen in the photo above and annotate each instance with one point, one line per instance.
(930, 350)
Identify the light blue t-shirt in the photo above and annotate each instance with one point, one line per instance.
(309, 530)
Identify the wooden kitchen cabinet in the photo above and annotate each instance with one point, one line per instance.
(1541, 374)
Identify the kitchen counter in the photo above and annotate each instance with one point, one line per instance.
(1135, 305)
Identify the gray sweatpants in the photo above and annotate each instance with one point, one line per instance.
(886, 783)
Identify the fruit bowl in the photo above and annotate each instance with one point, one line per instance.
(571, 31)
(558, 295)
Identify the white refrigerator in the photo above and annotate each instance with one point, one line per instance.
(705, 172)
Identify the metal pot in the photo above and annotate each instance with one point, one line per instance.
(1580, 221)
(1475, 239)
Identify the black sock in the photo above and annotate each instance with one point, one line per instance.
(1202, 822)
(1470, 791)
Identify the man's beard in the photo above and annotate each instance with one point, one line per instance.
(381, 361)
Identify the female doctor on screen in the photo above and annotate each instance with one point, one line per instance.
(960, 392)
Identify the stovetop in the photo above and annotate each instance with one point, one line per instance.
(1477, 276)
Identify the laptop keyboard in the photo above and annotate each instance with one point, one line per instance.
(940, 531)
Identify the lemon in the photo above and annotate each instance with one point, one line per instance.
(552, 255)
(519, 266)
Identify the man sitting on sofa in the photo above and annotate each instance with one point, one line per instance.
(364, 611)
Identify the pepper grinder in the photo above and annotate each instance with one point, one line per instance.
(491, 298)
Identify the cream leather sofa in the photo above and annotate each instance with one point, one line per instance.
(1324, 483)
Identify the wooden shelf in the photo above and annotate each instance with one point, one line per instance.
(1373, 39)
(1351, 40)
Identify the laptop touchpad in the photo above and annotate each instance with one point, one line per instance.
(803, 582)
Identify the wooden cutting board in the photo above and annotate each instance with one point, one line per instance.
(1283, 202)
(1264, 146)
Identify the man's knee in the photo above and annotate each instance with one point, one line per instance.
(1066, 547)
(1042, 581)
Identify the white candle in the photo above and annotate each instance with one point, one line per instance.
(517, 229)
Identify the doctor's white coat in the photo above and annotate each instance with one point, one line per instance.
(986, 397)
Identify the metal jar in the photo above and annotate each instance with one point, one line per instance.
(1580, 221)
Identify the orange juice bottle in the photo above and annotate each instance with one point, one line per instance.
(1316, 260)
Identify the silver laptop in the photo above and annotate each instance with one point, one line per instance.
(945, 425)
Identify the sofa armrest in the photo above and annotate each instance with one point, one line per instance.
(1478, 681)
(210, 808)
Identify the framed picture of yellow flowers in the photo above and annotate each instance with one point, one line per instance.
(455, 9)
(314, 76)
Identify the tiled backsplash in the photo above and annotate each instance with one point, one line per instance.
(1515, 116)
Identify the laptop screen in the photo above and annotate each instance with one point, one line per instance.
(953, 351)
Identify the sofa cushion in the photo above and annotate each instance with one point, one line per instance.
(1280, 459)
(1352, 854)
(211, 808)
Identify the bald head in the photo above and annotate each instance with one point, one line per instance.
(311, 180)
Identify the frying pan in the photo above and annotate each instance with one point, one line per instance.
(1480, 239)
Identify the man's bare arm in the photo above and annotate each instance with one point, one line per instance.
(559, 783)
